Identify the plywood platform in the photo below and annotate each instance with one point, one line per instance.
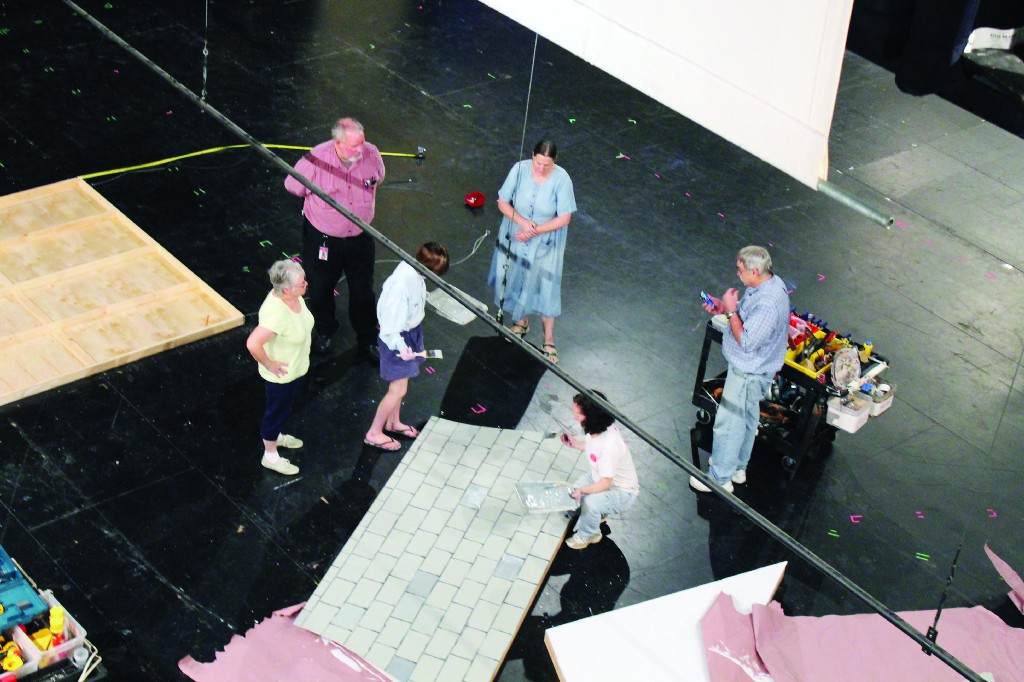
(84, 289)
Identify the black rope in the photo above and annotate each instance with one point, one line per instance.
(747, 511)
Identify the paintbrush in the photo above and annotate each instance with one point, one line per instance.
(429, 354)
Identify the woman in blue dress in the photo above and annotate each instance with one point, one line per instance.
(537, 203)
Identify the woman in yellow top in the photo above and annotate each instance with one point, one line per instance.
(280, 344)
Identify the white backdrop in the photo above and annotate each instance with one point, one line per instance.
(763, 74)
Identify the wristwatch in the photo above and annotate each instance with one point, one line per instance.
(729, 315)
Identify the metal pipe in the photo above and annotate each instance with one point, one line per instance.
(858, 205)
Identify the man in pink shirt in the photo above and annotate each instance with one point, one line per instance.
(349, 169)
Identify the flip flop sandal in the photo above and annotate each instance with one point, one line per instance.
(390, 445)
(519, 330)
(551, 355)
(408, 431)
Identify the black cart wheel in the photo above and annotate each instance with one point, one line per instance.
(703, 417)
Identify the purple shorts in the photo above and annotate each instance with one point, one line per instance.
(393, 367)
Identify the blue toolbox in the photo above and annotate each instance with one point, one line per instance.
(19, 601)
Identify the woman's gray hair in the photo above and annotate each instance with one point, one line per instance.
(283, 274)
(756, 258)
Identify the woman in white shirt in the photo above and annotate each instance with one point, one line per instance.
(611, 485)
(400, 314)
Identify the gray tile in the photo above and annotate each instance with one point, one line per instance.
(468, 551)
(400, 668)
(455, 617)
(486, 474)
(353, 568)
(410, 481)
(435, 522)
(435, 561)
(468, 593)
(421, 584)
(443, 595)
(508, 618)
(449, 497)
(337, 592)
(483, 615)
(461, 477)
(411, 519)
(407, 567)
(521, 594)
(421, 543)
(448, 540)
(454, 668)
(396, 543)
(508, 567)
(364, 592)
(474, 456)
(482, 668)
(392, 590)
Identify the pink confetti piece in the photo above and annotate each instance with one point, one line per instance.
(481, 409)
(991, 513)
(430, 370)
(771, 245)
(900, 223)
(116, 71)
(657, 176)
(856, 518)
(335, 292)
(721, 215)
(920, 515)
(623, 156)
(168, 112)
(929, 242)
(990, 275)
(821, 277)
(687, 194)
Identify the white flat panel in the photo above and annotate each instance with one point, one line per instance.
(658, 640)
(762, 75)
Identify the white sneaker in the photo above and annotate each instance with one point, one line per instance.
(286, 441)
(739, 476)
(701, 488)
(281, 466)
(577, 541)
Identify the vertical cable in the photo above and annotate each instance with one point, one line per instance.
(206, 49)
(522, 144)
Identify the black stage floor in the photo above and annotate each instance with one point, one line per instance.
(137, 495)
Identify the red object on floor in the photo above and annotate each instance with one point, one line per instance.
(475, 199)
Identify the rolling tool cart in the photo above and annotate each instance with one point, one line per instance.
(827, 383)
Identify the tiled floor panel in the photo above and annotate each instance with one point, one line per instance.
(436, 579)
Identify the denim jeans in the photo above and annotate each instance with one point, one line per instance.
(611, 501)
(736, 422)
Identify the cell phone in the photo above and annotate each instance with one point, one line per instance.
(707, 299)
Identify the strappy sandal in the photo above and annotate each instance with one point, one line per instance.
(519, 330)
(551, 355)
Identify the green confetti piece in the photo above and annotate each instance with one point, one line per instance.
(372, 46)
(923, 557)
(245, 268)
(107, 5)
(467, 106)
(24, 50)
(572, 120)
(833, 533)
(38, 22)
(632, 120)
(491, 75)
(4, 31)
(266, 242)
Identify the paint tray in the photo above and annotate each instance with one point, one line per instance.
(545, 497)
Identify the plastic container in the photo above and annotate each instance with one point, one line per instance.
(37, 659)
(880, 402)
(545, 497)
(849, 417)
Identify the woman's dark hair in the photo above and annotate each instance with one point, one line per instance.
(433, 257)
(546, 148)
(595, 419)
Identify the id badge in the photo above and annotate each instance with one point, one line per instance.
(323, 252)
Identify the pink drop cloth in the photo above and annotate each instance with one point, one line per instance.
(276, 650)
(768, 646)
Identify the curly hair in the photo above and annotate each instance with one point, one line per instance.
(595, 419)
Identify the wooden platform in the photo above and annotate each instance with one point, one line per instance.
(83, 289)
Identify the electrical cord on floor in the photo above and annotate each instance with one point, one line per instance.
(91, 663)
